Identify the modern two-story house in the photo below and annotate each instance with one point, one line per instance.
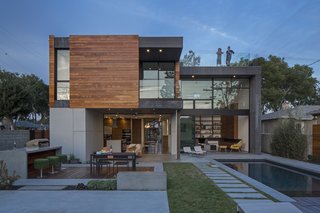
(134, 89)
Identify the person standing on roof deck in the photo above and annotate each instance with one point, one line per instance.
(229, 53)
(219, 54)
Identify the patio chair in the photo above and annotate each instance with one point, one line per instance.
(187, 150)
(120, 161)
(199, 150)
(236, 146)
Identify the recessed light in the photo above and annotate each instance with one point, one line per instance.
(234, 76)
(192, 76)
(160, 50)
(148, 50)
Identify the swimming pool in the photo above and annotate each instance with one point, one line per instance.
(287, 181)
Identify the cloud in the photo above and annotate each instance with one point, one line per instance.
(215, 31)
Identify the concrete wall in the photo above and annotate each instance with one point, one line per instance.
(174, 132)
(16, 160)
(94, 131)
(243, 131)
(8, 137)
(78, 131)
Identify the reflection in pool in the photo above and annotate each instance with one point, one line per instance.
(290, 182)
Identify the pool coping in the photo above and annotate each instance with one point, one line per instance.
(260, 186)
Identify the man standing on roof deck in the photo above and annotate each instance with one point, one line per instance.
(229, 53)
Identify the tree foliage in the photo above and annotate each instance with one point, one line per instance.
(288, 140)
(21, 95)
(191, 59)
(283, 84)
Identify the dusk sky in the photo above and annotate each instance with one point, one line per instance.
(285, 28)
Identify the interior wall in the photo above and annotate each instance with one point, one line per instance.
(243, 131)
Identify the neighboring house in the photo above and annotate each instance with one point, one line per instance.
(134, 89)
(302, 116)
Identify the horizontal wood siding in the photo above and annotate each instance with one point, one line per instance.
(51, 71)
(104, 71)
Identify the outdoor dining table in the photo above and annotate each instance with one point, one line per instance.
(112, 156)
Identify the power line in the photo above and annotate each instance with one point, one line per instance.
(314, 62)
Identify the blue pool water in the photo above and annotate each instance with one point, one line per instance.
(287, 181)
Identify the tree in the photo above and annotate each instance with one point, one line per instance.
(191, 59)
(288, 140)
(38, 95)
(283, 84)
(21, 95)
(13, 98)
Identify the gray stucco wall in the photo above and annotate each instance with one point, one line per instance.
(8, 137)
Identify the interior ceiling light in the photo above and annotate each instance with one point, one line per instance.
(160, 50)
(234, 76)
(148, 50)
(192, 76)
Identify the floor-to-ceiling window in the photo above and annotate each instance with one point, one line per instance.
(220, 109)
(157, 80)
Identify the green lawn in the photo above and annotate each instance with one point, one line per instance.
(189, 190)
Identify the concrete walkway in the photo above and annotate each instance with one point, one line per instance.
(83, 201)
(247, 198)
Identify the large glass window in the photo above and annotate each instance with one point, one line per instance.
(63, 75)
(157, 80)
(216, 94)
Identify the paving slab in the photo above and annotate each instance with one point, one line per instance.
(283, 207)
(51, 182)
(84, 201)
(228, 185)
(246, 195)
(239, 190)
(252, 201)
(218, 172)
(223, 178)
(218, 175)
(227, 181)
(41, 188)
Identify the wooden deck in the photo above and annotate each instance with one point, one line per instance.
(84, 173)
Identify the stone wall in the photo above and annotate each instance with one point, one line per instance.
(8, 137)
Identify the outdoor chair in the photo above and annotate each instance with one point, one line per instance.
(187, 150)
(199, 150)
(236, 146)
(120, 161)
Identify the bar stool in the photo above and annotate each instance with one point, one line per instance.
(41, 163)
(63, 159)
(53, 161)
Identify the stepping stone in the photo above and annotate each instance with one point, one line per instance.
(239, 190)
(228, 185)
(246, 195)
(249, 201)
(41, 188)
(223, 178)
(219, 175)
(283, 207)
(213, 173)
(227, 181)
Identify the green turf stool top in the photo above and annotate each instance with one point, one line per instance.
(53, 161)
(41, 163)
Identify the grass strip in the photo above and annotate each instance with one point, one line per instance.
(189, 190)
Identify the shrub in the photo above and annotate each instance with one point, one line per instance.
(6, 180)
(288, 141)
(102, 185)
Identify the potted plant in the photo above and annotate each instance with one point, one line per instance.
(73, 159)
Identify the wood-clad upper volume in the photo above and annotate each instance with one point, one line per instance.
(51, 71)
(104, 71)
